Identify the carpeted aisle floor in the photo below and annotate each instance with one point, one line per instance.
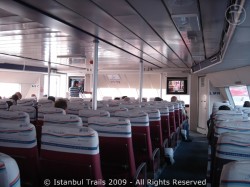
(190, 164)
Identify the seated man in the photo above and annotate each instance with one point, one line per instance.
(185, 129)
(184, 125)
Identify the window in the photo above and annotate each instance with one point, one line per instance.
(8, 89)
(54, 85)
(239, 94)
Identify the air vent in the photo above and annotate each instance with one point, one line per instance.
(186, 22)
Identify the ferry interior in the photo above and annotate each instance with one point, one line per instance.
(195, 50)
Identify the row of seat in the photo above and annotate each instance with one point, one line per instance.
(137, 133)
(230, 150)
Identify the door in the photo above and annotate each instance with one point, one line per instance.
(203, 103)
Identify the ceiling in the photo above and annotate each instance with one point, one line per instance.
(167, 35)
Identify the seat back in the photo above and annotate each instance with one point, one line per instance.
(235, 174)
(115, 139)
(114, 109)
(3, 104)
(40, 119)
(9, 172)
(165, 119)
(18, 140)
(27, 102)
(28, 109)
(230, 147)
(85, 114)
(62, 120)
(45, 102)
(74, 108)
(155, 126)
(14, 116)
(70, 153)
(140, 134)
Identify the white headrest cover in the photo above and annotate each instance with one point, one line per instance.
(49, 110)
(136, 117)
(28, 109)
(9, 172)
(110, 126)
(236, 173)
(14, 116)
(60, 119)
(81, 140)
(27, 102)
(18, 135)
(233, 146)
(85, 114)
(153, 113)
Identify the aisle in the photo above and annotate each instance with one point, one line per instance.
(190, 163)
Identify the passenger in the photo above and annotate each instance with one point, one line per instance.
(13, 101)
(224, 107)
(75, 90)
(61, 103)
(127, 99)
(144, 99)
(210, 123)
(246, 104)
(52, 98)
(33, 95)
(158, 99)
(117, 98)
(0, 97)
(185, 125)
(173, 99)
(123, 97)
(19, 95)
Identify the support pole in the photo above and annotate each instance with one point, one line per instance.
(161, 80)
(95, 76)
(49, 69)
(141, 80)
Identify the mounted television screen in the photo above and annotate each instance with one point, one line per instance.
(176, 85)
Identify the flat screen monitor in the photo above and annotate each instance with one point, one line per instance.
(176, 85)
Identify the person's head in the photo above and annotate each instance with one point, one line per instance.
(19, 95)
(14, 97)
(158, 99)
(76, 83)
(224, 107)
(123, 97)
(173, 99)
(52, 98)
(61, 103)
(246, 104)
(127, 99)
(33, 95)
(117, 98)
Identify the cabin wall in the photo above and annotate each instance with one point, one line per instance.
(30, 82)
(230, 77)
(128, 85)
(194, 102)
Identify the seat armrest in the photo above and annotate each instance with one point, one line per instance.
(141, 173)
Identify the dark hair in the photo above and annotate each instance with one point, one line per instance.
(14, 97)
(117, 98)
(52, 98)
(246, 104)
(123, 97)
(61, 103)
(75, 83)
(224, 107)
(158, 99)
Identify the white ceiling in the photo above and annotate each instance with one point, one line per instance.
(165, 34)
